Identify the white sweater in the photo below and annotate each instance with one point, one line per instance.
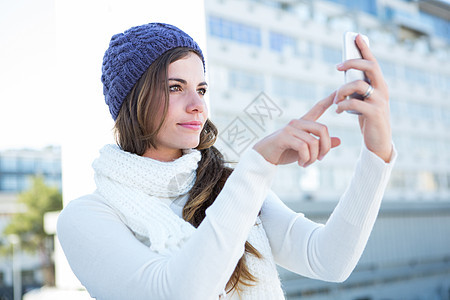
(113, 264)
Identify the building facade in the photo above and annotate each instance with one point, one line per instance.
(269, 61)
(16, 169)
(17, 166)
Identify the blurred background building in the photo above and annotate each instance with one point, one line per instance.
(17, 167)
(288, 49)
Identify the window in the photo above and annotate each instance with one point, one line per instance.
(444, 83)
(430, 146)
(440, 81)
(279, 42)
(246, 81)
(419, 111)
(396, 108)
(440, 26)
(368, 6)
(445, 114)
(234, 31)
(414, 76)
(9, 183)
(271, 3)
(27, 165)
(388, 68)
(8, 164)
(305, 48)
(331, 56)
(49, 166)
(295, 89)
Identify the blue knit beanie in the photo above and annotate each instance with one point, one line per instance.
(131, 53)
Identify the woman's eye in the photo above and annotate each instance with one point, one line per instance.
(202, 91)
(174, 88)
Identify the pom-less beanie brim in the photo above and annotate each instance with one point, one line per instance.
(132, 52)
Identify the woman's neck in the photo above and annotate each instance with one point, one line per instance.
(163, 154)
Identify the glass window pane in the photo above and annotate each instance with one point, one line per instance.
(9, 183)
(27, 165)
(246, 81)
(331, 55)
(294, 89)
(8, 164)
(234, 31)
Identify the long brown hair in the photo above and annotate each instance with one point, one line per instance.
(138, 123)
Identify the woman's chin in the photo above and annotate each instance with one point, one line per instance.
(190, 144)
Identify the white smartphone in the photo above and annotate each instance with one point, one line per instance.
(351, 51)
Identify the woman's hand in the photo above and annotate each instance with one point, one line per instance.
(374, 119)
(302, 140)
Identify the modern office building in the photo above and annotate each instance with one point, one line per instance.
(270, 61)
(16, 169)
(17, 166)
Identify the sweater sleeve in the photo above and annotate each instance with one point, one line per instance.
(112, 264)
(329, 252)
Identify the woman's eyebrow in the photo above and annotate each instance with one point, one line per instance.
(185, 82)
(178, 79)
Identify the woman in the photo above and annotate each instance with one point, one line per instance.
(169, 221)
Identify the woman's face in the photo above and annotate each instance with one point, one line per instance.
(187, 111)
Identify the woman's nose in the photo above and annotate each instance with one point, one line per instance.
(196, 102)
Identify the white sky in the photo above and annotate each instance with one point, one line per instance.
(27, 74)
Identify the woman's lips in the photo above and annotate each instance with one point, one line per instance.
(194, 125)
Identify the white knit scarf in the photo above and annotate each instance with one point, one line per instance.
(135, 187)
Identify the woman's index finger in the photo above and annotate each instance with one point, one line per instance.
(364, 48)
(319, 108)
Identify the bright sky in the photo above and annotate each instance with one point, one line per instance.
(28, 111)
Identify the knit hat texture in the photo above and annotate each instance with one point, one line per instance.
(131, 53)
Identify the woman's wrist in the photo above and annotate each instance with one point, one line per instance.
(385, 154)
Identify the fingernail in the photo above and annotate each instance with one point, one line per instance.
(320, 157)
(338, 66)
